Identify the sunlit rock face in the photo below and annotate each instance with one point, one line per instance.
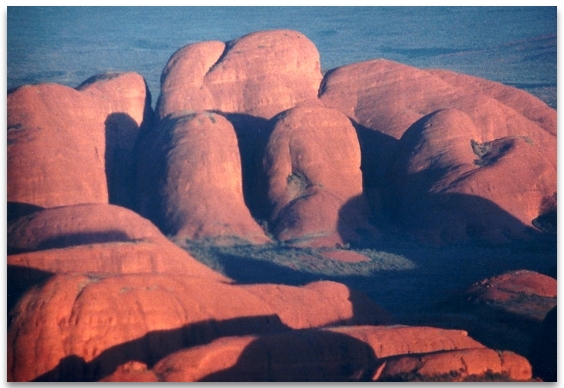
(440, 147)
(83, 327)
(260, 74)
(64, 143)
(312, 162)
(353, 353)
(449, 187)
(96, 238)
(200, 184)
(250, 130)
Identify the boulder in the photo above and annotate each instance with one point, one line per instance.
(201, 187)
(385, 99)
(81, 224)
(352, 353)
(467, 365)
(389, 97)
(259, 74)
(449, 186)
(83, 327)
(503, 312)
(90, 238)
(312, 161)
(57, 140)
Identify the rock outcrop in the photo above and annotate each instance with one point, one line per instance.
(201, 185)
(249, 132)
(448, 186)
(83, 224)
(355, 353)
(385, 99)
(97, 239)
(82, 327)
(260, 74)
(66, 131)
(312, 162)
(503, 312)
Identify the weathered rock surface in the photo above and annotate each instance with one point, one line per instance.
(512, 285)
(448, 186)
(57, 138)
(386, 99)
(94, 239)
(260, 74)
(312, 162)
(458, 365)
(389, 97)
(81, 224)
(502, 312)
(79, 327)
(526, 104)
(202, 189)
(96, 292)
(143, 256)
(354, 353)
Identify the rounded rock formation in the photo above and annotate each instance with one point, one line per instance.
(385, 99)
(83, 224)
(447, 185)
(83, 327)
(201, 185)
(352, 353)
(90, 238)
(259, 74)
(57, 139)
(312, 163)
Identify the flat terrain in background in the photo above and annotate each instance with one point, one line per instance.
(67, 45)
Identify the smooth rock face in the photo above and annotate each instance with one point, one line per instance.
(312, 162)
(202, 189)
(354, 353)
(81, 328)
(459, 365)
(57, 139)
(96, 292)
(260, 74)
(509, 285)
(126, 257)
(385, 99)
(90, 238)
(449, 186)
(74, 225)
(389, 97)
(504, 311)
(132, 112)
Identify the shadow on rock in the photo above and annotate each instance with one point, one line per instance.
(17, 210)
(252, 135)
(121, 135)
(75, 239)
(156, 345)
(19, 281)
(303, 355)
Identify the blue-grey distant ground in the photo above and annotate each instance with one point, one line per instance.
(513, 45)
